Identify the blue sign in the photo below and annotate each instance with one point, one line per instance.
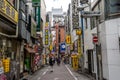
(62, 47)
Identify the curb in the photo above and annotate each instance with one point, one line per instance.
(85, 74)
(29, 75)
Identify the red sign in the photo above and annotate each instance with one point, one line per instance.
(95, 39)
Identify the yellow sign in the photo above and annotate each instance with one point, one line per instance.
(79, 47)
(46, 37)
(8, 11)
(68, 39)
(6, 65)
(51, 47)
(78, 32)
(75, 62)
(46, 24)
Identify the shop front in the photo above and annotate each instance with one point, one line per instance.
(29, 54)
(9, 45)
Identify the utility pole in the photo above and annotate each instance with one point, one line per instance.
(99, 54)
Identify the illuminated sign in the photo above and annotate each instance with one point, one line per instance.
(68, 39)
(46, 36)
(62, 47)
(51, 47)
(8, 11)
(78, 32)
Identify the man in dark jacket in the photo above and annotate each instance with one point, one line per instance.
(51, 63)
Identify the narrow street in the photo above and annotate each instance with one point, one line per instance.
(82, 35)
(62, 72)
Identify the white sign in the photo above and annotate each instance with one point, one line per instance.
(1, 70)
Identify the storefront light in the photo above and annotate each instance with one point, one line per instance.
(4, 42)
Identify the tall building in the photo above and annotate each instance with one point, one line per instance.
(57, 27)
(9, 49)
(106, 28)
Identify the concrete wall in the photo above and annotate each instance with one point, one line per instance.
(110, 49)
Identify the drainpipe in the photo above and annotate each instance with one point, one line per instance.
(82, 27)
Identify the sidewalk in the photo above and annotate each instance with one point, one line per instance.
(80, 75)
(29, 76)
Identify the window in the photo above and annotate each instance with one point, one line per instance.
(112, 8)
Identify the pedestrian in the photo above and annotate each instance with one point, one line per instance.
(58, 61)
(51, 62)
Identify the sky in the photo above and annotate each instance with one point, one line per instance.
(57, 4)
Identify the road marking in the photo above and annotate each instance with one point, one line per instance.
(71, 72)
(45, 72)
(39, 78)
(56, 78)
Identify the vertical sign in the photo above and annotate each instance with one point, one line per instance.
(38, 17)
(68, 39)
(75, 14)
(46, 36)
(79, 46)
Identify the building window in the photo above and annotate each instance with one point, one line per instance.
(93, 22)
(112, 8)
(86, 26)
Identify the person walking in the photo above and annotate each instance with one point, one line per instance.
(58, 61)
(51, 62)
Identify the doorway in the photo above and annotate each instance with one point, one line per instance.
(90, 61)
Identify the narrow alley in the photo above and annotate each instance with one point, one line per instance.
(83, 36)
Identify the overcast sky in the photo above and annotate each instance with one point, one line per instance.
(57, 4)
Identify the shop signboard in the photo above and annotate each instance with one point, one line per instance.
(78, 32)
(36, 3)
(37, 13)
(46, 37)
(68, 39)
(51, 47)
(8, 11)
(62, 47)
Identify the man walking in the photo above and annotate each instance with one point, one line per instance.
(51, 62)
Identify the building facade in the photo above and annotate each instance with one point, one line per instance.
(106, 28)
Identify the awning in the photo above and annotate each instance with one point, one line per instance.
(30, 50)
